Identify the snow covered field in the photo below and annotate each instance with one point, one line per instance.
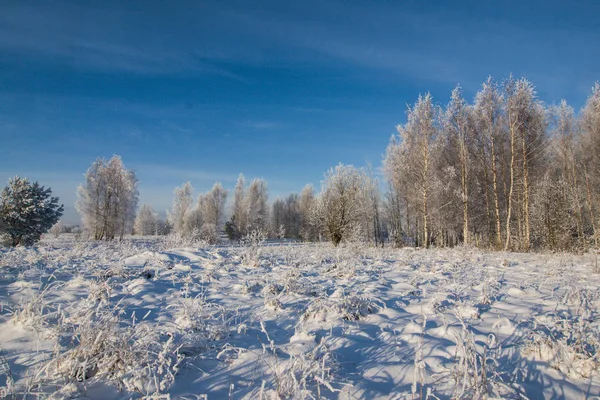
(141, 319)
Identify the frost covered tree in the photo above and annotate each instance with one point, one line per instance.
(277, 216)
(372, 222)
(108, 199)
(201, 220)
(236, 227)
(306, 209)
(410, 159)
(182, 204)
(398, 205)
(256, 205)
(551, 213)
(341, 202)
(459, 131)
(214, 205)
(292, 216)
(146, 221)
(57, 229)
(590, 156)
(489, 120)
(565, 156)
(249, 209)
(285, 217)
(506, 172)
(208, 232)
(27, 210)
(194, 219)
(526, 121)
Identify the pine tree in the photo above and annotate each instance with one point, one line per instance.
(230, 229)
(27, 210)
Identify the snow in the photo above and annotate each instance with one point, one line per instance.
(132, 319)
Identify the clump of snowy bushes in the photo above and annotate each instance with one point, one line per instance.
(568, 343)
(101, 345)
(302, 374)
(348, 308)
(94, 342)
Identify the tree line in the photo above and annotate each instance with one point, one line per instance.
(505, 171)
(344, 210)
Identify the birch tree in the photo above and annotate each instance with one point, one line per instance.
(182, 205)
(371, 224)
(565, 143)
(396, 164)
(488, 111)
(417, 138)
(238, 223)
(307, 207)
(214, 204)
(590, 155)
(340, 203)
(107, 201)
(146, 221)
(459, 134)
(256, 205)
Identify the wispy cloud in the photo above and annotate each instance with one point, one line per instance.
(357, 42)
(261, 125)
(178, 175)
(310, 109)
(79, 35)
(441, 44)
(63, 177)
(87, 37)
(437, 44)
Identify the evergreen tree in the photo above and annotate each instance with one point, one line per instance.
(27, 210)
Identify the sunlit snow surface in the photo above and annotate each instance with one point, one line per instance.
(135, 319)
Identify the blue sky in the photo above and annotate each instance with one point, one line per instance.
(204, 90)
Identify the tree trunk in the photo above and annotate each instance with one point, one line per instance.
(488, 218)
(526, 241)
(579, 212)
(511, 187)
(408, 225)
(425, 194)
(496, 197)
(465, 192)
(590, 204)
